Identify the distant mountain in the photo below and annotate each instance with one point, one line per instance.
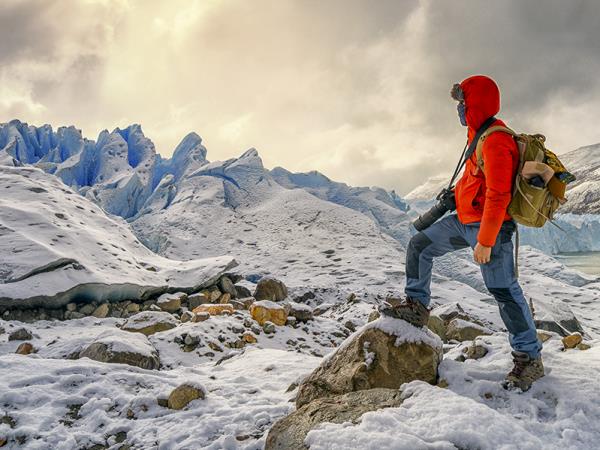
(584, 193)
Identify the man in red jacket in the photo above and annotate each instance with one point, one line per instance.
(482, 223)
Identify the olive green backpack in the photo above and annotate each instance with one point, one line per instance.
(531, 205)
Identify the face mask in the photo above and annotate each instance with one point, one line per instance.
(461, 114)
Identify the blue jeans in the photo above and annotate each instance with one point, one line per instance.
(448, 235)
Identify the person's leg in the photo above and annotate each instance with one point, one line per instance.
(500, 280)
(444, 236)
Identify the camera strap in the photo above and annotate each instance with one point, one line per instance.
(469, 149)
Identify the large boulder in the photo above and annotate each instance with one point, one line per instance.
(289, 433)
(115, 346)
(150, 322)
(383, 354)
(267, 311)
(270, 289)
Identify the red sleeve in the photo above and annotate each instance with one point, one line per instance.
(498, 170)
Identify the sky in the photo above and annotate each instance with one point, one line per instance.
(356, 89)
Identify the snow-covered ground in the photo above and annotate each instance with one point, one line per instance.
(320, 237)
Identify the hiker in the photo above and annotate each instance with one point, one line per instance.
(482, 223)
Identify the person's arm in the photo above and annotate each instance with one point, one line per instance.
(498, 170)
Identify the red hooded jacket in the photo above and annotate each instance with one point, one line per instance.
(484, 197)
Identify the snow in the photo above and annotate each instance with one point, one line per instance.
(560, 411)
(405, 332)
(324, 239)
(148, 318)
(58, 245)
(268, 304)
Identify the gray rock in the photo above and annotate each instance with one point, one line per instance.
(242, 291)
(87, 309)
(302, 313)
(150, 322)
(21, 334)
(270, 289)
(289, 433)
(107, 348)
(196, 300)
(269, 328)
(227, 286)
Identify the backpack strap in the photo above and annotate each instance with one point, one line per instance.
(484, 136)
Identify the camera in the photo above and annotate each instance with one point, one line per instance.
(445, 202)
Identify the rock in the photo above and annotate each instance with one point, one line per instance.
(583, 346)
(132, 307)
(572, 340)
(71, 306)
(163, 402)
(555, 315)
(74, 315)
(373, 315)
(249, 338)
(201, 316)
(242, 291)
(187, 316)
(101, 311)
(196, 300)
(266, 310)
(543, 336)
(181, 396)
(119, 347)
(384, 354)
(322, 309)
(269, 327)
(191, 340)
(461, 330)
(350, 325)
(154, 307)
(170, 302)
(290, 432)
(20, 334)
(242, 303)
(227, 287)
(225, 298)
(25, 348)
(270, 289)
(215, 309)
(87, 309)
(213, 294)
(150, 322)
(438, 326)
(302, 313)
(475, 351)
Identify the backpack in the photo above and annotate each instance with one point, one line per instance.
(532, 205)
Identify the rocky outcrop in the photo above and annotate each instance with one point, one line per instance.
(384, 354)
(289, 433)
(462, 330)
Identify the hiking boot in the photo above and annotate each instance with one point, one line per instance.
(410, 310)
(525, 371)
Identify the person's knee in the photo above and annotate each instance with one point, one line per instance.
(417, 244)
(512, 310)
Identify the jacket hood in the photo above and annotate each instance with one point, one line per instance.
(482, 100)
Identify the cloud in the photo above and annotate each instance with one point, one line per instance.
(355, 89)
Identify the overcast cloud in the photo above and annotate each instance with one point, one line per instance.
(355, 89)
